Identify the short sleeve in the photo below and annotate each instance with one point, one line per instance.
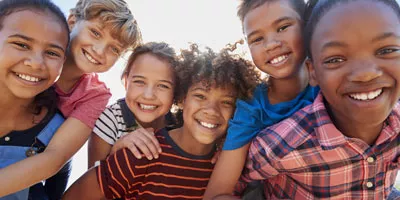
(106, 126)
(86, 101)
(115, 174)
(247, 120)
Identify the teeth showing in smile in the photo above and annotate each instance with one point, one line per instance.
(147, 107)
(278, 59)
(208, 125)
(28, 78)
(366, 95)
(90, 58)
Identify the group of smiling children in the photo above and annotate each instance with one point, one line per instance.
(325, 123)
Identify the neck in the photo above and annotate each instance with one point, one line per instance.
(69, 75)
(189, 144)
(156, 124)
(14, 112)
(367, 132)
(281, 90)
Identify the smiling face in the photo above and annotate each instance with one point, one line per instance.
(32, 52)
(274, 36)
(206, 112)
(150, 88)
(358, 67)
(93, 49)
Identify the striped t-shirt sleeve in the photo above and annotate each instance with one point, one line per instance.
(115, 174)
(106, 126)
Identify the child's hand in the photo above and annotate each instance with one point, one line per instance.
(142, 139)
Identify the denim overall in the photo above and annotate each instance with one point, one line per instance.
(12, 154)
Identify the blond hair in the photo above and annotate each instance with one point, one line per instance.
(115, 15)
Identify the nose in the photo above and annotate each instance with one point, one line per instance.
(271, 44)
(35, 61)
(99, 48)
(211, 109)
(148, 93)
(364, 71)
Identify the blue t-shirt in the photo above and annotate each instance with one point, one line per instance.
(256, 114)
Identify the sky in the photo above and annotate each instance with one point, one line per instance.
(211, 23)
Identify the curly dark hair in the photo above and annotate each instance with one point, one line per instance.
(224, 69)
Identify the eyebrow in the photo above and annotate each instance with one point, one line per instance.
(142, 77)
(24, 37)
(385, 36)
(333, 44)
(279, 20)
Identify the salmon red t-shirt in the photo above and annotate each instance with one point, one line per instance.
(86, 100)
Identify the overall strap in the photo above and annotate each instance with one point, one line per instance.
(127, 114)
(47, 133)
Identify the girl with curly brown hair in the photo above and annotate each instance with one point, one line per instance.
(209, 85)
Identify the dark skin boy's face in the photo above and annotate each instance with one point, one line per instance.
(356, 62)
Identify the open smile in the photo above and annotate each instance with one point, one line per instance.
(90, 58)
(28, 78)
(278, 60)
(147, 107)
(208, 125)
(366, 96)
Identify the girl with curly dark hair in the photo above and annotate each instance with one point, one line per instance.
(209, 85)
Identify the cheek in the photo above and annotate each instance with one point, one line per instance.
(296, 40)
(257, 55)
(55, 68)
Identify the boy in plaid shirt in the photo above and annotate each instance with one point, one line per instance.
(346, 144)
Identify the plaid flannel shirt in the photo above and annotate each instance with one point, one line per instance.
(307, 157)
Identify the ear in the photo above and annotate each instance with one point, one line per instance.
(311, 72)
(125, 81)
(71, 21)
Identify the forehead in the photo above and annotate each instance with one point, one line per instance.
(267, 13)
(356, 22)
(150, 64)
(39, 25)
(213, 88)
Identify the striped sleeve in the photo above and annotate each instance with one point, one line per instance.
(115, 174)
(106, 126)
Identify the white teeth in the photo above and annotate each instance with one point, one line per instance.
(147, 107)
(367, 95)
(278, 59)
(28, 78)
(208, 125)
(90, 58)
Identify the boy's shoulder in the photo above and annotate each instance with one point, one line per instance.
(303, 126)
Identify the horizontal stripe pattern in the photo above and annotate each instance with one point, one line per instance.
(171, 176)
(306, 157)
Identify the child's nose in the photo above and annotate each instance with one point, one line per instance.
(364, 71)
(211, 108)
(35, 61)
(148, 93)
(271, 44)
(99, 48)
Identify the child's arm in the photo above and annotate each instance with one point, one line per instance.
(65, 143)
(139, 141)
(141, 138)
(86, 187)
(226, 172)
(98, 149)
(111, 179)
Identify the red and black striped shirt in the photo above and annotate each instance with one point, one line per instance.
(174, 175)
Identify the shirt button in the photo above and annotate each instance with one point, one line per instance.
(370, 159)
(7, 139)
(370, 184)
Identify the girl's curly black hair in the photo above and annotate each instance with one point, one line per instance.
(223, 69)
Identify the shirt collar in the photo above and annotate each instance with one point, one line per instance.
(330, 137)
